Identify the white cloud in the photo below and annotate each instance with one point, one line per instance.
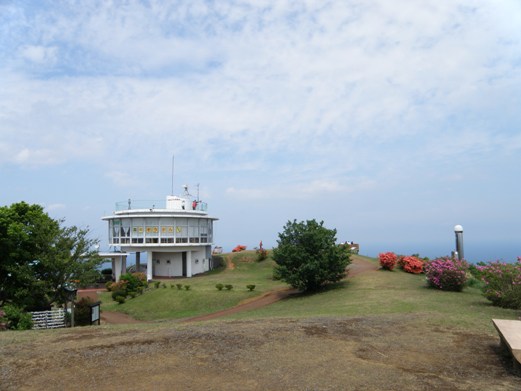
(123, 179)
(269, 99)
(39, 54)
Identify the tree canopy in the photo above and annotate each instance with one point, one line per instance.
(307, 256)
(38, 256)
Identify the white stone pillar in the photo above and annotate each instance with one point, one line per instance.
(150, 265)
(117, 267)
(189, 264)
(124, 264)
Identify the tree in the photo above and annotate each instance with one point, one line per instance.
(38, 256)
(307, 256)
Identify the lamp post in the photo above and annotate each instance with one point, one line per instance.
(70, 294)
(458, 230)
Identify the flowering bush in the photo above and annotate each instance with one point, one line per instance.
(387, 260)
(412, 264)
(446, 273)
(502, 283)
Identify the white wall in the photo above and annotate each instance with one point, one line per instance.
(200, 263)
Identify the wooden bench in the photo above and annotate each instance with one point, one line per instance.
(510, 336)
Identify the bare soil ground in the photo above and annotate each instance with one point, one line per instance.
(361, 353)
(387, 352)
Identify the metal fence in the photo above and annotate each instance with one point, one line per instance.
(48, 319)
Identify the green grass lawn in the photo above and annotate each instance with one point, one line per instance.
(372, 293)
(203, 297)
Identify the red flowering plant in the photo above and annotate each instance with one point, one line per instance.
(502, 283)
(446, 273)
(387, 260)
(412, 264)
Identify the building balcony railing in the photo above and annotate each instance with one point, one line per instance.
(154, 204)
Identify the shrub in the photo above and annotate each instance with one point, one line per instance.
(163, 285)
(120, 299)
(108, 285)
(228, 287)
(446, 274)
(16, 318)
(262, 254)
(117, 293)
(187, 287)
(219, 287)
(250, 287)
(133, 280)
(387, 260)
(156, 284)
(179, 286)
(82, 311)
(172, 286)
(307, 256)
(502, 283)
(412, 264)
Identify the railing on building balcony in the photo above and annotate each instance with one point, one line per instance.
(155, 204)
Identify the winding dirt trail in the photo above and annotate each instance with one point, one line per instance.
(358, 266)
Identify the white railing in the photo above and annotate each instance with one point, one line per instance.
(48, 319)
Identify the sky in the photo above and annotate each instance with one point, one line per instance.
(391, 122)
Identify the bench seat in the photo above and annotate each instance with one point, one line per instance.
(510, 336)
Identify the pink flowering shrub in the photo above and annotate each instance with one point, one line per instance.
(502, 283)
(387, 260)
(446, 274)
(412, 264)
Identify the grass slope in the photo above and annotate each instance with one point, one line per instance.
(372, 293)
(203, 297)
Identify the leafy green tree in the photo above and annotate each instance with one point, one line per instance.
(38, 256)
(307, 256)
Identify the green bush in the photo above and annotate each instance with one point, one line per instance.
(133, 280)
(179, 286)
(307, 256)
(120, 299)
(229, 287)
(163, 285)
(219, 287)
(156, 284)
(250, 287)
(118, 293)
(502, 283)
(17, 319)
(82, 311)
(187, 287)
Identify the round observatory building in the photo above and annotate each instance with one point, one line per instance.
(176, 234)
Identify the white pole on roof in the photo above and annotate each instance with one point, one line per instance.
(172, 191)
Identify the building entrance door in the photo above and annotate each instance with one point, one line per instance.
(184, 263)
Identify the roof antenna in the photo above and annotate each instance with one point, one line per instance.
(172, 193)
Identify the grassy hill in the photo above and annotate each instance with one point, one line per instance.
(377, 330)
(372, 293)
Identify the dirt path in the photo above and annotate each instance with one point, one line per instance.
(358, 266)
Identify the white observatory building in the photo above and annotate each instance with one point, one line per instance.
(177, 236)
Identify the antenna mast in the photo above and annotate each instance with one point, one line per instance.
(172, 193)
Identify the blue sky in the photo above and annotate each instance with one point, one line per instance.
(390, 121)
